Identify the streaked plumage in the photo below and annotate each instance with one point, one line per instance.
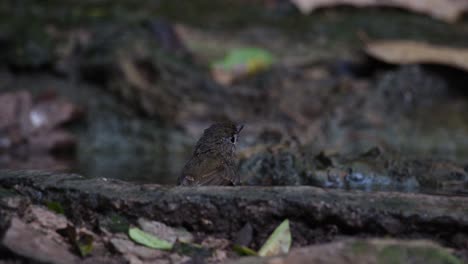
(214, 160)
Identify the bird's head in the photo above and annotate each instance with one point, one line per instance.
(219, 136)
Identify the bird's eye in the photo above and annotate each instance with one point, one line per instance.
(233, 139)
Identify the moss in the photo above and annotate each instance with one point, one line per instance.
(360, 247)
(55, 207)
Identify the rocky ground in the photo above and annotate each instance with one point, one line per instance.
(56, 213)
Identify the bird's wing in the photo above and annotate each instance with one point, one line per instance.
(206, 171)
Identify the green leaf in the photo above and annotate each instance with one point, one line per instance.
(55, 207)
(279, 241)
(244, 251)
(148, 240)
(85, 245)
(245, 59)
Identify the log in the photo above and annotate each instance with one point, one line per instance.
(316, 214)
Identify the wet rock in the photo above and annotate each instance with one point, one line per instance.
(271, 169)
(371, 170)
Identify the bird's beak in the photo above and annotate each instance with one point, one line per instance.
(239, 128)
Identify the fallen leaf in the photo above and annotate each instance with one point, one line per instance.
(52, 113)
(279, 241)
(241, 62)
(446, 10)
(251, 59)
(35, 125)
(407, 52)
(244, 251)
(148, 240)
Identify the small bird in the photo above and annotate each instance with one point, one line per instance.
(213, 161)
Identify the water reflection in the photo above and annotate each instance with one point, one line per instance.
(133, 166)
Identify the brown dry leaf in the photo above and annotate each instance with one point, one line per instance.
(36, 124)
(446, 10)
(52, 113)
(407, 52)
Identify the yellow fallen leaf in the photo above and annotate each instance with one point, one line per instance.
(408, 52)
(279, 241)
